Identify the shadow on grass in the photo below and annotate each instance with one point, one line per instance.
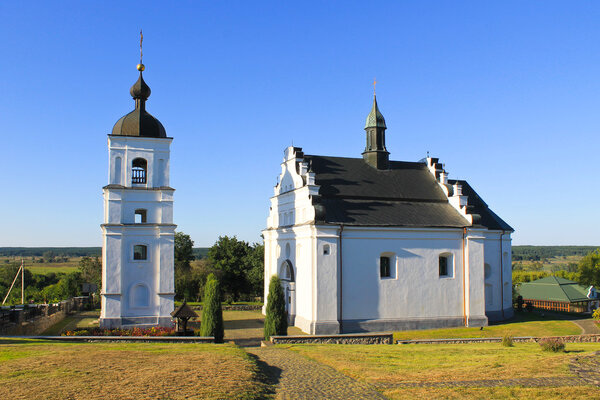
(540, 315)
(267, 374)
(244, 323)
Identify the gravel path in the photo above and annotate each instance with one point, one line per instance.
(296, 377)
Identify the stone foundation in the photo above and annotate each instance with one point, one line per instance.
(367, 338)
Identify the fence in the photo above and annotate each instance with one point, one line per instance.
(31, 319)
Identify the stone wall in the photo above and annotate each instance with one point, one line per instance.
(365, 338)
(595, 338)
(236, 307)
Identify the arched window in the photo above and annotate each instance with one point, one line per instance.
(140, 252)
(286, 272)
(138, 170)
(140, 216)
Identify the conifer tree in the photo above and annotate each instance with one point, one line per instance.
(276, 318)
(212, 314)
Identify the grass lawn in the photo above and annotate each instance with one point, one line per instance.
(84, 319)
(385, 366)
(34, 369)
(523, 324)
(43, 268)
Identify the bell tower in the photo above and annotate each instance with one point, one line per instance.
(138, 231)
(375, 154)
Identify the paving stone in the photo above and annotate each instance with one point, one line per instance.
(296, 377)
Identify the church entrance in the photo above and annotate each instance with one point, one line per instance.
(288, 282)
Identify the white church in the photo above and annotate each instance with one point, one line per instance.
(138, 230)
(369, 244)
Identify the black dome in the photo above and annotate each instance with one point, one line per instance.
(139, 122)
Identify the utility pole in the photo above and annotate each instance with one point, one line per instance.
(22, 281)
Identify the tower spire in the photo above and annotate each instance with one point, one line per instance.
(375, 154)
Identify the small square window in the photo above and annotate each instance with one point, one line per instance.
(140, 216)
(384, 267)
(326, 249)
(140, 252)
(443, 266)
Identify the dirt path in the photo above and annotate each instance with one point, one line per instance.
(297, 377)
(588, 326)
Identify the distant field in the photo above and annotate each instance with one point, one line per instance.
(45, 267)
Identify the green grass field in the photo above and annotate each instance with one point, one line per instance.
(387, 367)
(45, 267)
(523, 324)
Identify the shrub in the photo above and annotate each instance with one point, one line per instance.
(596, 314)
(276, 318)
(554, 345)
(212, 314)
(507, 341)
(154, 331)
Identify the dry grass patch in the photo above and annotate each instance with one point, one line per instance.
(43, 370)
(566, 392)
(396, 364)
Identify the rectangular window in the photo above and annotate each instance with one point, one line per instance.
(140, 252)
(140, 216)
(443, 266)
(384, 267)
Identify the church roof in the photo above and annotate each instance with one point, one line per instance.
(139, 122)
(375, 118)
(407, 194)
(489, 219)
(553, 288)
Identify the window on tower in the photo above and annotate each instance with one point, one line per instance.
(140, 216)
(140, 252)
(138, 170)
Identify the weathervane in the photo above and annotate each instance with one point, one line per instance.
(374, 85)
(140, 66)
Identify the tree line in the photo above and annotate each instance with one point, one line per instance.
(538, 253)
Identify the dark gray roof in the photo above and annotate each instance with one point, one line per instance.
(354, 193)
(489, 219)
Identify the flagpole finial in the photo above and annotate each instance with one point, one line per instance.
(140, 66)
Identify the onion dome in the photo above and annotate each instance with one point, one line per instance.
(139, 122)
(375, 118)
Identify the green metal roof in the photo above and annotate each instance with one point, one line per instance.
(553, 288)
(375, 118)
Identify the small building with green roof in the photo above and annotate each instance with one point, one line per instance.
(558, 294)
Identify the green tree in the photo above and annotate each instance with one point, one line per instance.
(212, 314)
(589, 269)
(256, 269)
(276, 318)
(186, 284)
(229, 256)
(184, 251)
(91, 271)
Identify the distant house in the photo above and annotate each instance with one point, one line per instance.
(559, 294)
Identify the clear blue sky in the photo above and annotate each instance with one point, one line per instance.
(506, 94)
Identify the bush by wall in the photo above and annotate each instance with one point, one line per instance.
(212, 314)
(552, 344)
(276, 318)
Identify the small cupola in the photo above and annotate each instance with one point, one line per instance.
(375, 154)
(139, 122)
